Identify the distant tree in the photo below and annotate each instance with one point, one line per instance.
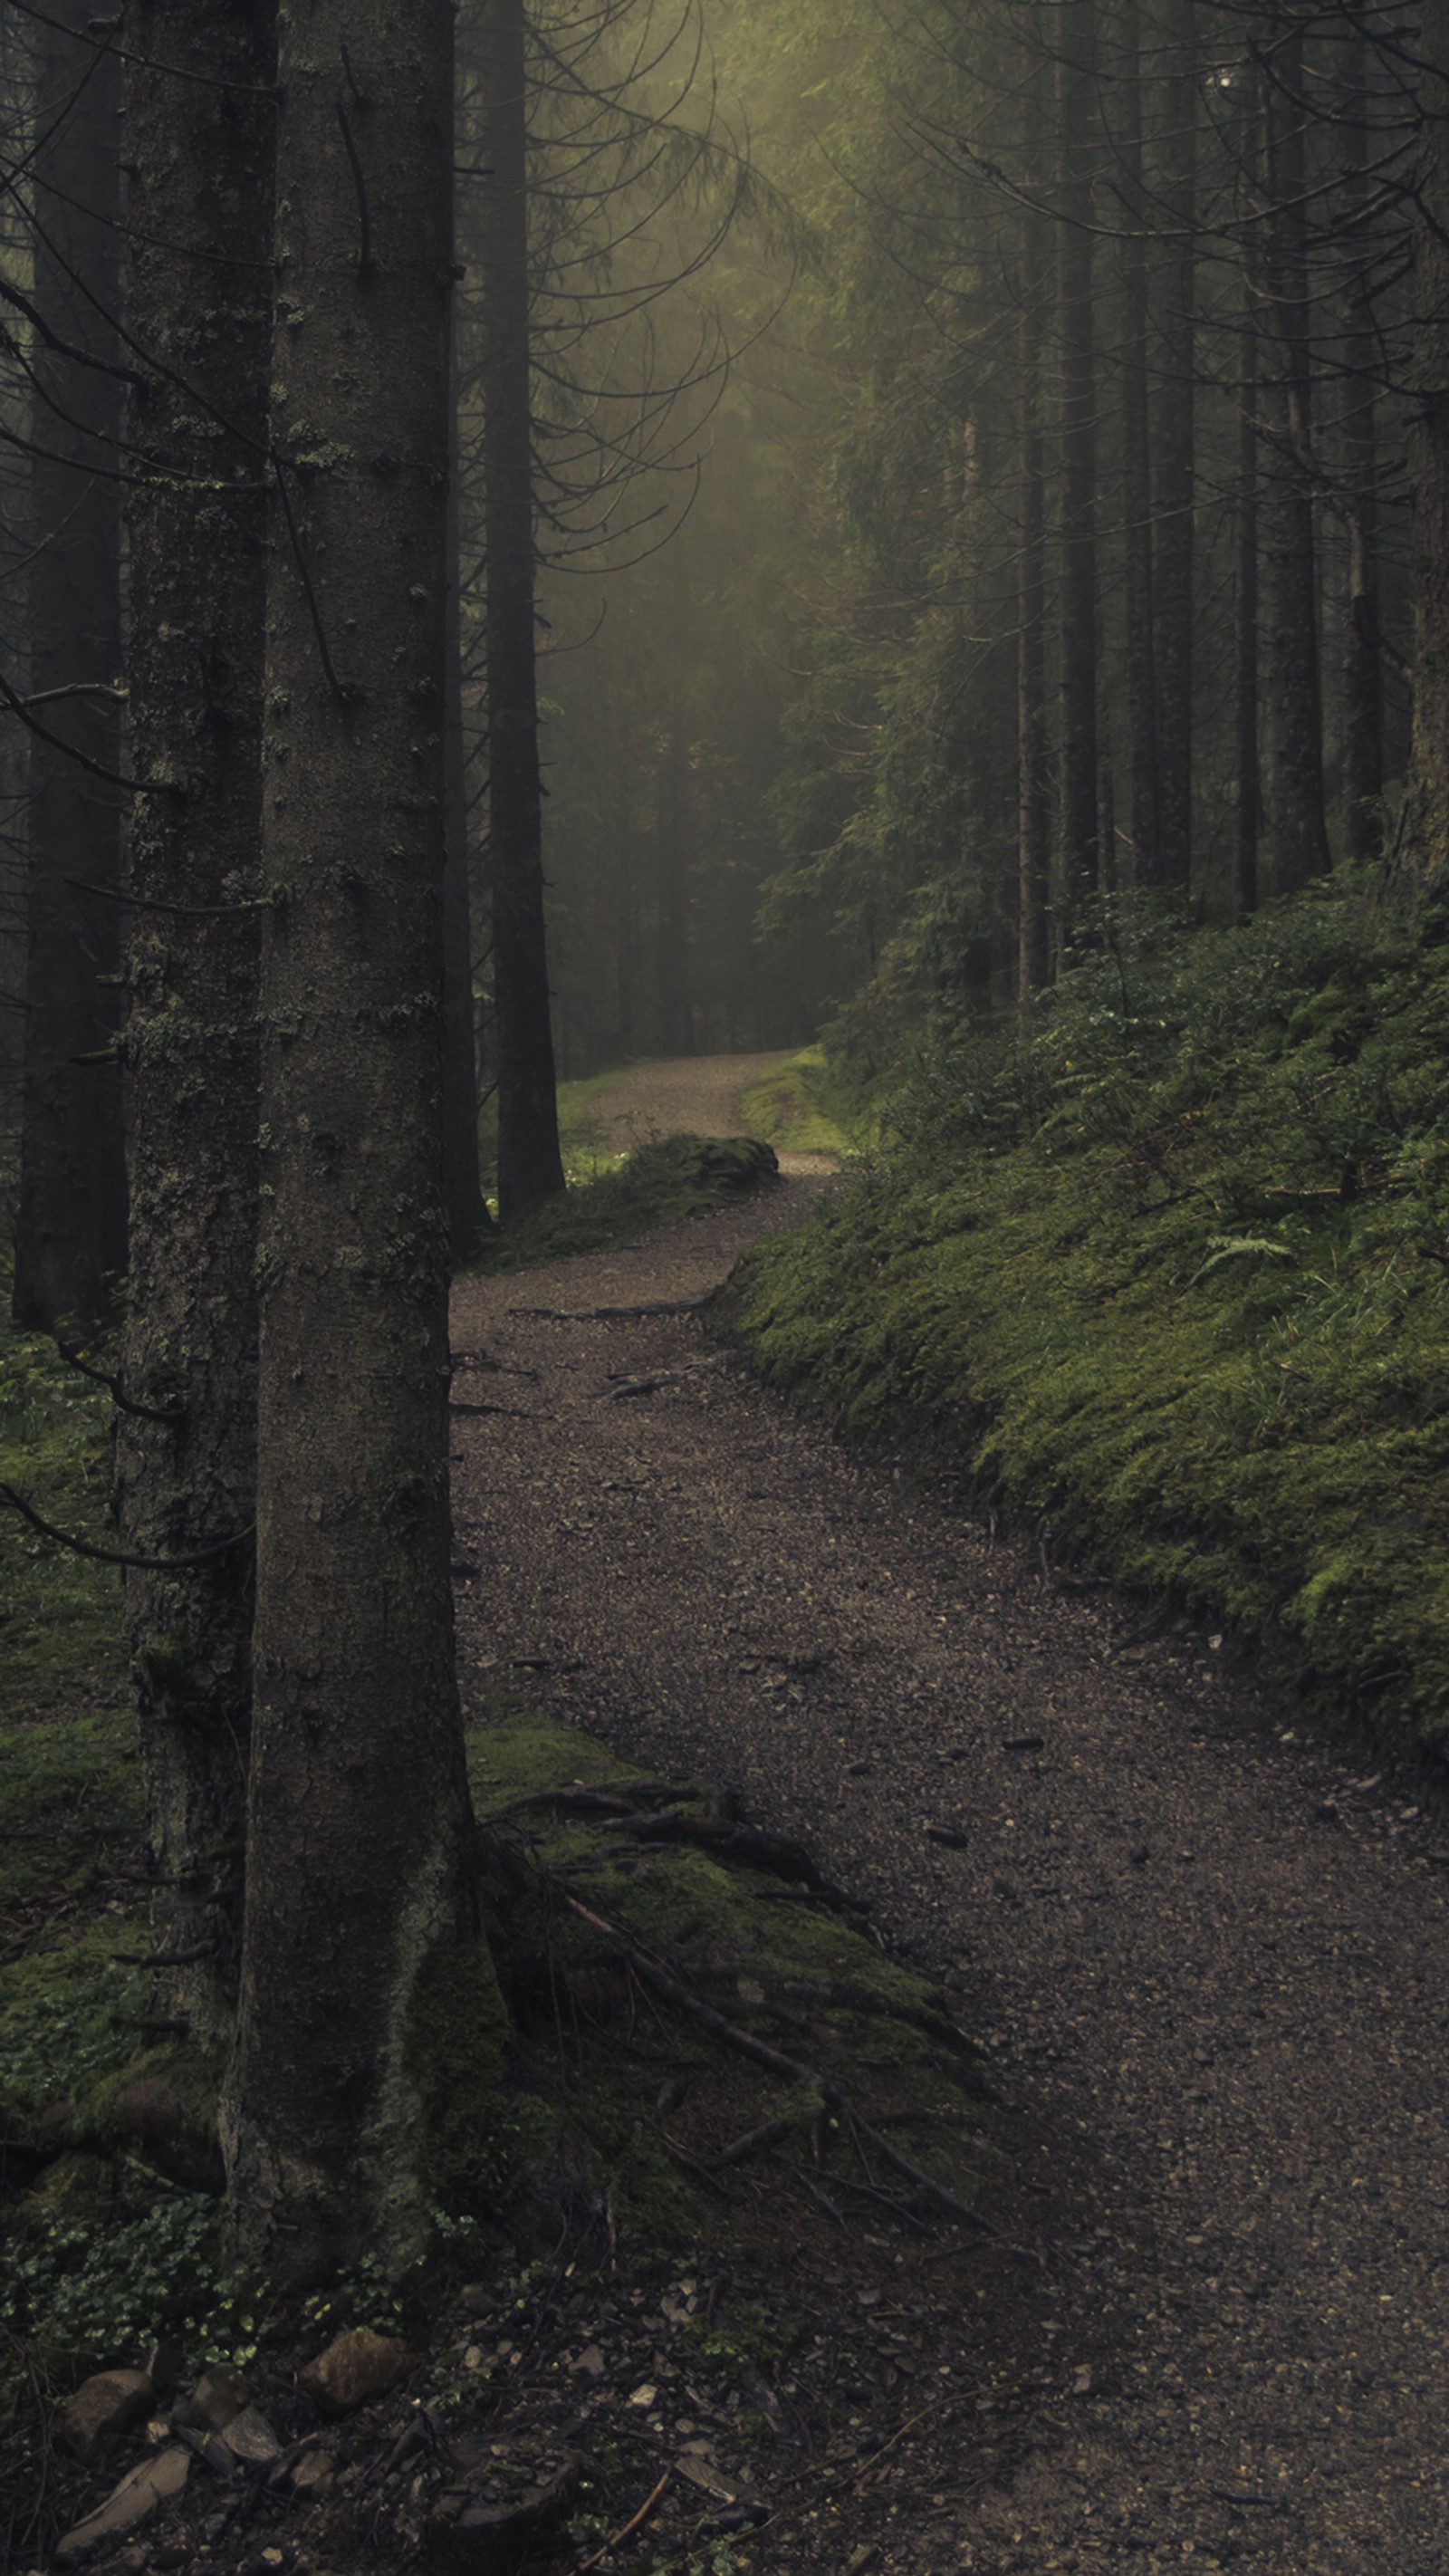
(200, 115)
(1079, 740)
(1428, 839)
(358, 1860)
(71, 1236)
(530, 1165)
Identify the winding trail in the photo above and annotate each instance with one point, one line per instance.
(1211, 1961)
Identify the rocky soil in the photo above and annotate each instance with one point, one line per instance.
(1209, 1955)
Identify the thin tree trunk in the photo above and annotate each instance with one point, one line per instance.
(1296, 802)
(1426, 863)
(358, 1885)
(1248, 792)
(199, 306)
(1175, 445)
(530, 1166)
(1076, 112)
(1033, 969)
(71, 1234)
(468, 1219)
(676, 1016)
(1141, 669)
(1363, 692)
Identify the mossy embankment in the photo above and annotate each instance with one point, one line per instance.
(1167, 1266)
(800, 1107)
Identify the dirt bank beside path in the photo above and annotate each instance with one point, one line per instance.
(699, 1095)
(1213, 1969)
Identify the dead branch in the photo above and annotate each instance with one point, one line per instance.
(628, 1386)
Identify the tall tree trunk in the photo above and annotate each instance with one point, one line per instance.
(468, 1219)
(357, 1865)
(671, 853)
(71, 1236)
(1427, 840)
(1034, 830)
(1076, 115)
(1175, 444)
(199, 147)
(1363, 692)
(530, 1166)
(1141, 670)
(1296, 808)
(1247, 790)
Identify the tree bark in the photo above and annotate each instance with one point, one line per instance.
(1427, 838)
(1141, 670)
(71, 1234)
(1362, 674)
(1034, 852)
(199, 307)
(1299, 832)
(671, 853)
(1175, 446)
(357, 1868)
(1248, 813)
(530, 1166)
(1076, 111)
(468, 1220)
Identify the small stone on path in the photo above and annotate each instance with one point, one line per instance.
(137, 2497)
(102, 2410)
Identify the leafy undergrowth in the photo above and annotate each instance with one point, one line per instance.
(724, 2141)
(796, 1107)
(1168, 1267)
(680, 1176)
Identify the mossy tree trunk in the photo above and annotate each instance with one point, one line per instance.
(358, 1876)
(71, 1234)
(199, 306)
(530, 1165)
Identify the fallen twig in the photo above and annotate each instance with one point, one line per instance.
(611, 1314)
(628, 1386)
(626, 2532)
(754, 2143)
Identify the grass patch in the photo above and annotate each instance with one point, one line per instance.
(658, 1184)
(797, 1107)
(1170, 1266)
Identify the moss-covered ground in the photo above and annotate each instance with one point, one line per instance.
(1167, 1266)
(799, 1107)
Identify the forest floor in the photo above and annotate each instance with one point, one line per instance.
(694, 1095)
(1209, 1955)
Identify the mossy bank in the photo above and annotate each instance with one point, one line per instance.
(1166, 1266)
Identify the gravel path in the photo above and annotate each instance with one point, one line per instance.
(700, 1095)
(1211, 1961)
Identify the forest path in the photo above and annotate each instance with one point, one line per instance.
(1212, 1969)
(697, 1095)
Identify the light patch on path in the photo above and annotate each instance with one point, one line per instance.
(701, 1095)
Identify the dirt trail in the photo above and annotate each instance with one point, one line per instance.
(1213, 1968)
(700, 1095)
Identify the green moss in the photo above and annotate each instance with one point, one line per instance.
(483, 2127)
(60, 1614)
(65, 2016)
(797, 1107)
(1170, 1268)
